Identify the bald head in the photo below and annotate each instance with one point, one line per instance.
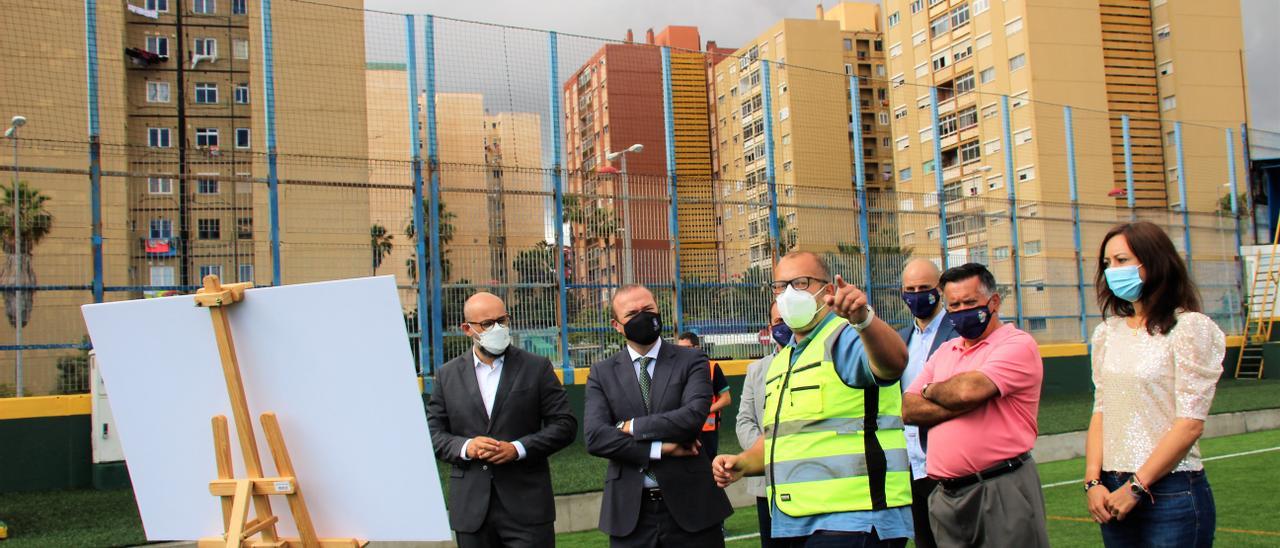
(482, 307)
(920, 274)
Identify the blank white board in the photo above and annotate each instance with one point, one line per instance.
(330, 359)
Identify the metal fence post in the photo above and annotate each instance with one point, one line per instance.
(1128, 167)
(1248, 177)
(95, 144)
(1182, 193)
(269, 110)
(668, 117)
(415, 151)
(770, 172)
(433, 165)
(860, 181)
(1075, 222)
(1235, 211)
(557, 185)
(937, 176)
(1011, 182)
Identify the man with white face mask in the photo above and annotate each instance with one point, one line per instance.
(496, 414)
(833, 452)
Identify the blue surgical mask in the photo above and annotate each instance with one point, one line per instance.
(970, 323)
(922, 303)
(781, 334)
(1125, 282)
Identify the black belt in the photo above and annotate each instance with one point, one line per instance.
(654, 494)
(1001, 468)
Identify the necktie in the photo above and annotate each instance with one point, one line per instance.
(645, 384)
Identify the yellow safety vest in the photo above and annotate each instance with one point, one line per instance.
(830, 447)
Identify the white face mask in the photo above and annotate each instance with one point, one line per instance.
(496, 340)
(796, 307)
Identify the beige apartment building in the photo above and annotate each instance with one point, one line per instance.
(1155, 61)
(811, 61)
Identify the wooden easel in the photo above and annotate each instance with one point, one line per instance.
(237, 494)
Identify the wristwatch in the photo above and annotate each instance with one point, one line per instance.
(1139, 490)
(866, 322)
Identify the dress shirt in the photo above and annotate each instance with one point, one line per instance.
(487, 377)
(918, 353)
(655, 449)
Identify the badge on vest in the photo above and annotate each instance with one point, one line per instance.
(786, 497)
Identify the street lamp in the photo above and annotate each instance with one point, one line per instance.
(628, 275)
(12, 134)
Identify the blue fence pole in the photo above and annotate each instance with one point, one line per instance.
(557, 185)
(937, 176)
(1075, 221)
(433, 165)
(1182, 192)
(1128, 167)
(1011, 182)
(770, 172)
(860, 180)
(415, 151)
(269, 110)
(95, 143)
(1235, 210)
(668, 117)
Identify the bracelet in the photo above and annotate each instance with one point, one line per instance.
(1091, 484)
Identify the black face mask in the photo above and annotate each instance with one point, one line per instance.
(643, 328)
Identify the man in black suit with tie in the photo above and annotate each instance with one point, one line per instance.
(923, 337)
(496, 414)
(645, 407)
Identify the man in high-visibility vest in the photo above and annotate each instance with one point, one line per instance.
(833, 451)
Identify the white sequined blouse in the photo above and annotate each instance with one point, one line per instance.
(1143, 382)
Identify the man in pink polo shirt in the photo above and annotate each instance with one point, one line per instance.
(979, 395)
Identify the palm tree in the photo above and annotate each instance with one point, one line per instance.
(446, 236)
(381, 242)
(34, 222)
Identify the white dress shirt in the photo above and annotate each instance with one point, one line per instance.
(917, 355)
(655, 449)
(487, 377)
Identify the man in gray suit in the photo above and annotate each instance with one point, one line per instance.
(923, 337)
(496, 414)
(645, 407)
(749, 425)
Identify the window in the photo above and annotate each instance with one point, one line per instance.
(922, 70)
(917, 38)
(898, 80)
(784, 113)
(947, 124)
(900, 113)
(210, 270)
(206, 7)
(238, 7)
(1014, 26)
(158, 45)
(962, 51)
(1163, 33)
(245, 186)
(964, 84)
(1026, 174)
(786, 139)
(983, 41)
(895, 50)
(987, 75)
(991, 147)
(782, 89)
(207, 184)
(240, 49)
(1165, 68)
(923, 102)
(1029, 210)
(883, 118)
(242, 137)
(927, 167)
(786, 166)
(242, 94)
(916, 6)
(206, 137)
(933, 3)
(157, 92)
(893, 19)
(980, 6)
(162, 276)
(209, 229)
(158, 5)
(940, 25)
(1168, 103)
(1000, 253)
(904, 174)
(159, 185)
(161, 229)
(967, 118)
(1017, 61)
(880, 70)
(848, 44)
(245, 273)
(848, 69)
(158, 137)
(994, 182)
(989, 111)
(1037, 324)
(970, 152)
(206, 93)
(960, 16)
(1031, 248)
(926, 134)
(244, 228)
(1022, 136)
(207, 46)
(941, 61)
(886, 142)
(1018, 99)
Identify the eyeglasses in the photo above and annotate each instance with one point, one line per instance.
(800, 284)
(504, 321)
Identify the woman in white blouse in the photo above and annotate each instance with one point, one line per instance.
(1156, 362)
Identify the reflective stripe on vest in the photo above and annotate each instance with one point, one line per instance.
(830, 447)
(713, 418)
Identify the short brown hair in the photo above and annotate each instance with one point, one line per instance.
(1167, 288)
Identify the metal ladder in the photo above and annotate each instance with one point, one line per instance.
(1260, 311)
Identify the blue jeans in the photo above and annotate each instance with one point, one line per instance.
(1183, 513)
(837, 539)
